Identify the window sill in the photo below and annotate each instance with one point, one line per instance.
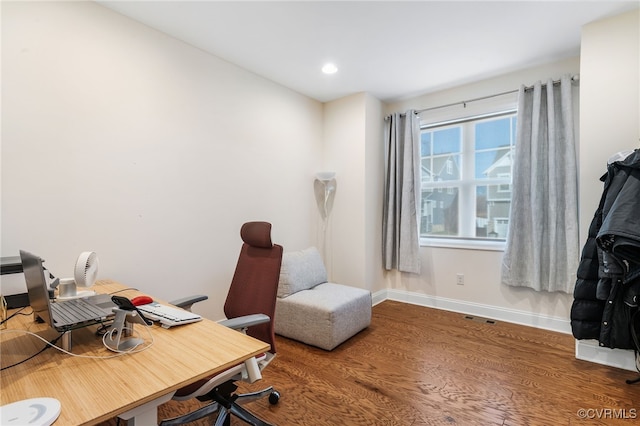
(465, 244)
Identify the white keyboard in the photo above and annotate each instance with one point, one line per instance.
(167, 315)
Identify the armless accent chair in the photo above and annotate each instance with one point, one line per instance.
(249, 307)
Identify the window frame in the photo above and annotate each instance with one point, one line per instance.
(489, 244)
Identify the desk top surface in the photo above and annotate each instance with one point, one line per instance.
(93, 390)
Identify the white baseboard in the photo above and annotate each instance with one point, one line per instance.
(589, 350)
(585, 350)
(561, 325)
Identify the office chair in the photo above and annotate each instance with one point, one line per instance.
(249, 307)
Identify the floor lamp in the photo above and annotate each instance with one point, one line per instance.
(324, 187)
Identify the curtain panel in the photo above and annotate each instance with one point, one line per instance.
(400, 232)
(542, 249)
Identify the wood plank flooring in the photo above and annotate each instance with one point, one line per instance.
(419, 366)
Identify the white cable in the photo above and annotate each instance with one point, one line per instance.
(120, 353)
(130, 350)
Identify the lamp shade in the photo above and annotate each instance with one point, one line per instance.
(324, 188)
(325, 176)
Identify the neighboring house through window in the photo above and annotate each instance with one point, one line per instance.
(466, 177)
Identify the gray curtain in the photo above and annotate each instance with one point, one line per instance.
(400, 239)
(542, 250)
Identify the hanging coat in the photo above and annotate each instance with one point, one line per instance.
(607, 290)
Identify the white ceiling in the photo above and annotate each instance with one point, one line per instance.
(391, 49)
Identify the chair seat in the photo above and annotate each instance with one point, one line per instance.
(325, 315)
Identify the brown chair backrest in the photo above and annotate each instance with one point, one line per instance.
(254, 285)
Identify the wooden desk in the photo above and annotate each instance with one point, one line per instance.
(95, 390)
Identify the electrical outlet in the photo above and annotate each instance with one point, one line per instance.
(460, 279)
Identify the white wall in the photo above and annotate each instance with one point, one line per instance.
(344, 142)
(119, 139)
(609, 123)
(374, 184)
(353, 148)
(610, 101)
(481, 269)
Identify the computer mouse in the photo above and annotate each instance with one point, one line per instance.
(141, 300)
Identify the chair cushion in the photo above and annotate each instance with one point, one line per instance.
(324, 316)
(301, 270)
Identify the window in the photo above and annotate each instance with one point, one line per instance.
(505, 187)
(466, 178)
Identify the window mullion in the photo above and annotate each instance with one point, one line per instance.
(467, 199)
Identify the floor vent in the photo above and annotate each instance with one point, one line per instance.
(480, 319)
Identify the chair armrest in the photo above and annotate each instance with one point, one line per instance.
(245, 321)
(187, 302)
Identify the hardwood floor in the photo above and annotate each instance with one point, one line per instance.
(421, 366)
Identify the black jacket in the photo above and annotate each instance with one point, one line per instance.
(607, 288)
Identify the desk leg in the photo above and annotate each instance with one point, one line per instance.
(145, 414)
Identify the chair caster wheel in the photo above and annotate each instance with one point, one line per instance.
(274, 397)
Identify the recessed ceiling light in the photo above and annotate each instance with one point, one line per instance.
(329, 69)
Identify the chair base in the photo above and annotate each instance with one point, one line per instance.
(226, 403)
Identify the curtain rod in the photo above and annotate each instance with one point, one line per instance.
(574, 79)
(467, 101)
